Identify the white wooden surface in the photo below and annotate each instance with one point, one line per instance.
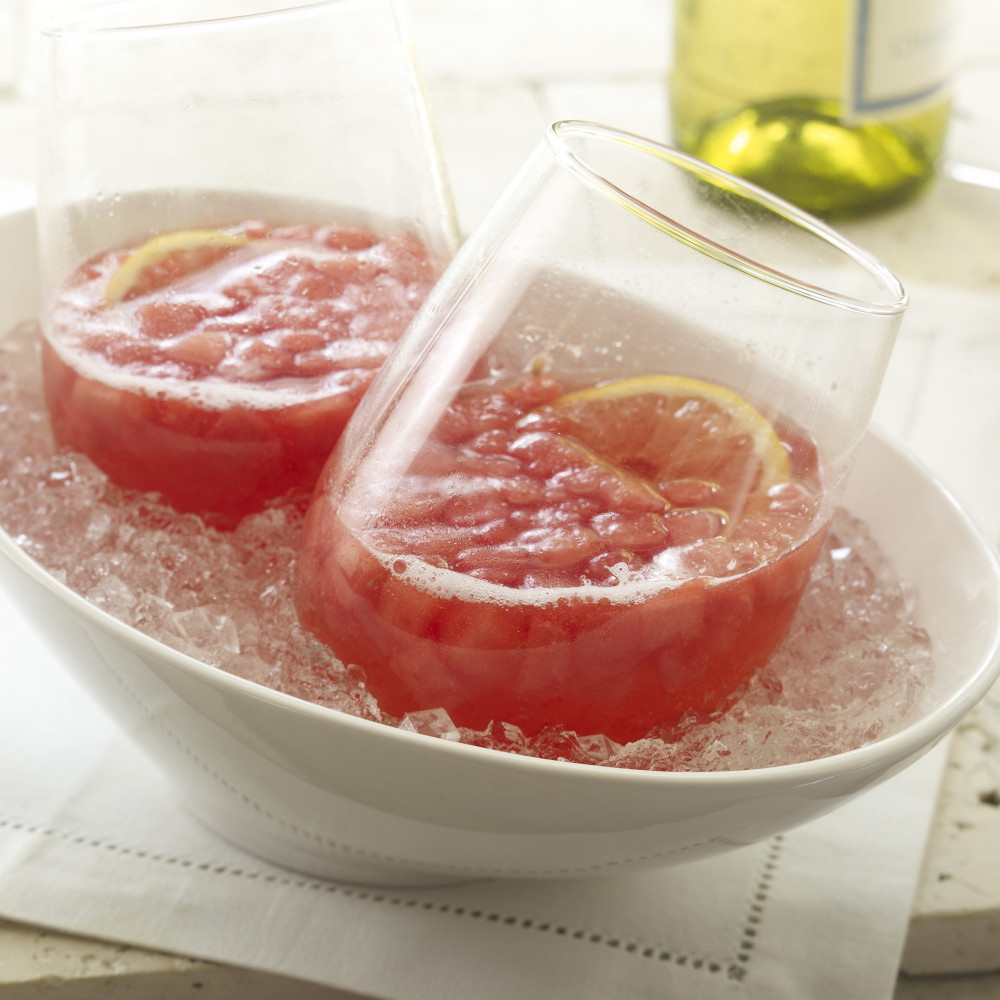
(496, 75)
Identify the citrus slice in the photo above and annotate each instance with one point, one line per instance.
(138, 266)
(673, 430)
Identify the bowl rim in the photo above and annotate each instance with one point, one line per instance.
(919, 735)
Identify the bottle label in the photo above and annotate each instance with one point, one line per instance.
(900, 55)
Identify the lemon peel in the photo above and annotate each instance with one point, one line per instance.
(156, 249)
(767, 447)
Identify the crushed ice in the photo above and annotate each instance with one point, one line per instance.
(853, 668)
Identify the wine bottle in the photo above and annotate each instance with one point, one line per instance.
(840, 106)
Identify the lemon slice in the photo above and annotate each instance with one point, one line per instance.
(672, 426)
(155, 250)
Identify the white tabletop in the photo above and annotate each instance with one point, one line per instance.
(496, 75)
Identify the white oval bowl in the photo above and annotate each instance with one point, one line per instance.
(325, 793)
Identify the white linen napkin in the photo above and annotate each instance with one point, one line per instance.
(95, 841)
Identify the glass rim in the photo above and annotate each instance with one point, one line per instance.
(94, 20)
(897, 297)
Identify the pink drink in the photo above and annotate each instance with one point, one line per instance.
(225, 374)
(539, 565)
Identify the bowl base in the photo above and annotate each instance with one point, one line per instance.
(321, 863)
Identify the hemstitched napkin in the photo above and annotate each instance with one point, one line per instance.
(95, 841)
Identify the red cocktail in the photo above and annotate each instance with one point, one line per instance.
(600, 560)
(219, 367)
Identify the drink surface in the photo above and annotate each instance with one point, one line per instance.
(837, 106)
(601, 560)
(219, 367)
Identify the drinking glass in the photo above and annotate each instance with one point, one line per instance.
(588, 489)
(241, 205)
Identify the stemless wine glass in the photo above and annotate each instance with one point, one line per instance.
(241, 206)
(588, 489)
